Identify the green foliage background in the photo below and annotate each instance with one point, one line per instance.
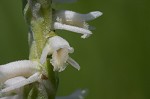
(114, 61)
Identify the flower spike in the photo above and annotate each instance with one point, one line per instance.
(59, 48)
(75, 22)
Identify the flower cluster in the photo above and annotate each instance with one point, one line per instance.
(15, 75)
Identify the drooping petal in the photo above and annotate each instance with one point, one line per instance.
(19, 68)
(35, 77)
(73, 63)
(83, 31)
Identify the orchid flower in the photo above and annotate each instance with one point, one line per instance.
(17, 74)
(59, 48)
(75, 22)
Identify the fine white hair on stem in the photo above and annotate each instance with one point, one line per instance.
(35, 77)
(19, 68)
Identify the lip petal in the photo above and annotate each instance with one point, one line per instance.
(75, 29)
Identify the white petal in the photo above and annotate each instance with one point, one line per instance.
(74, 17)
(57, 42)
(31, 79)
(19, 68)
(63, 1)
(92, 15)
(45, 52)
(86, 32)
(12, 81)
(73, 63)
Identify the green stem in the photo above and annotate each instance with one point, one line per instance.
(40, 25)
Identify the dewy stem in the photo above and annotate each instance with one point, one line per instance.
(38, 15)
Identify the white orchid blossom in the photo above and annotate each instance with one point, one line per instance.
(59, 48)
(17, 74)
(75, 22)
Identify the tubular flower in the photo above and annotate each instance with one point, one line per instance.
(75, 22)
(59, 48)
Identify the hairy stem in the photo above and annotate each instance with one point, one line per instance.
(38, 15)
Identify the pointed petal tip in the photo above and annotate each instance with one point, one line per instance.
(73, 63)
(96, 14)
(85, 36)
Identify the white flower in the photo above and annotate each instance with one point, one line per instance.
(59, 48)
(75, 22)
(17, 74)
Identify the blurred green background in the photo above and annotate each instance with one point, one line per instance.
(114, 61)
